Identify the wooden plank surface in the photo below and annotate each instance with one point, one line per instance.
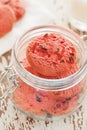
(12, 119)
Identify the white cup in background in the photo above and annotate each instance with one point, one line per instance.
(77, 13)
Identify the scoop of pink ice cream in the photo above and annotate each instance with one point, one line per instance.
(51, 54)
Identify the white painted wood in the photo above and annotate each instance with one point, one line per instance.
(11, 118)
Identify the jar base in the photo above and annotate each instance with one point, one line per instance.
(47, 116)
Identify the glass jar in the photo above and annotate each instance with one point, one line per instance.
(44, 98)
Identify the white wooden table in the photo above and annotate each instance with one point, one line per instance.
(12, 119)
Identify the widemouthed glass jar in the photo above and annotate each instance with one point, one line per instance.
(39, 97)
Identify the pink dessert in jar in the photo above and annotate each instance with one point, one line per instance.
(49, 56)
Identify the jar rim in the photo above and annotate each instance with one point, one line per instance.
(54, 83)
